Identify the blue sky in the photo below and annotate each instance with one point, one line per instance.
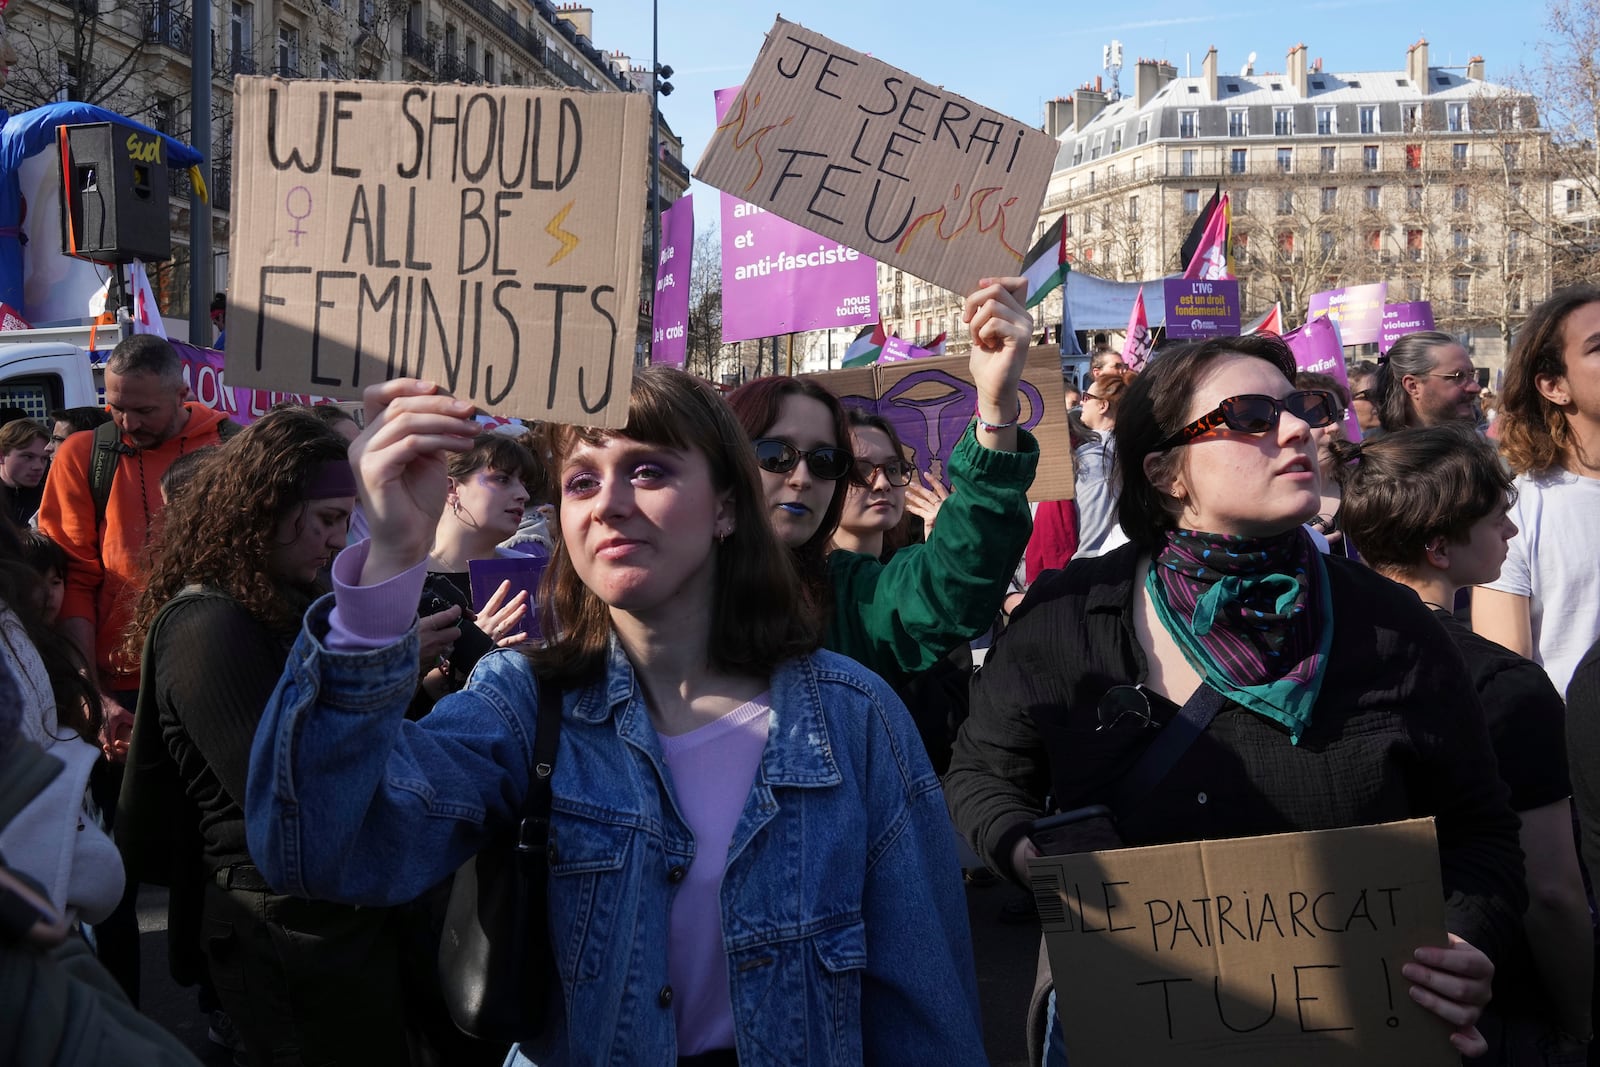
(1016, 61)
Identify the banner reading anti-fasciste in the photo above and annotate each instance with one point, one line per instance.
(781, 278)
(669, 327)
(881, 161)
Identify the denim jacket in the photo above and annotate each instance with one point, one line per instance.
(843, 915)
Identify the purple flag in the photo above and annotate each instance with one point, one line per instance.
(669, 333)
(1358, 309)
(1318, 347)
(1401, 319)
(781, 278)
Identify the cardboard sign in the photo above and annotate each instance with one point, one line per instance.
(669, 326)
(881, 161)
(1401, 319)
(1253, 951)
(1358, 309)
(487, 238)
(930, 402)
(1201, 309)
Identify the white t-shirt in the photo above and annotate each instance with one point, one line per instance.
(1554, 561)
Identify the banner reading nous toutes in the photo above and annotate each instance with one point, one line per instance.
(488, 238)
(778, 277)
(881, 161)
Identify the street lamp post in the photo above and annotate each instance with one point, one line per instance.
(658, 89)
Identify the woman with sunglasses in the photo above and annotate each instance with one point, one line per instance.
(901, 618)
(1336, 699)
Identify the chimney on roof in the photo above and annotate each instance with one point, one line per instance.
(1475, 68)
(1208, 74)
(581, 17)
(1316, 65)
(1295, 70)
(1150, 76)
(1057, 115)
(1417, 66)
(1087, 102)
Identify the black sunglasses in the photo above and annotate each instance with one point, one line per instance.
(897, 471)
(829, 462)
(1121, 702)
(1256, 413)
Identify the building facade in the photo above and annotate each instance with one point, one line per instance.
(1431, 179)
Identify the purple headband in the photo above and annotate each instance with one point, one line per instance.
(328, 479)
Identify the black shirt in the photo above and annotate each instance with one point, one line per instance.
(1396, 733)
(1583, 753)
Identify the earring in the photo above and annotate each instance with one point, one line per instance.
(455, 507)
(722, 536)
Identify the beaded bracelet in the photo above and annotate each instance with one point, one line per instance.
(996, 427)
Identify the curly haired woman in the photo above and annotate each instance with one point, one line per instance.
(231, 574)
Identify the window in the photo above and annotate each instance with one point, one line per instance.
(1238, 122)
(161, 114)
(1135, 258)
(1368, 116)
(368, 12)
(1091, 181)
(1514, 245)
(1459, 198)
(1515, 285)
(1409, 120)
(288, 50)
(1136, 162)
(488, 66)
(1241, 249)
(1186, 162)
(1455, 117)
(1077, 153)
(472, 55)
(327, 64)
(1066, 224)
(1188, 123)
(242, 33)
(1094, 149)
(1574, 200)
(1329, 242)
(1328, 157)
(1241, 201)
(1413, 157)
(1508, 152)
(1458, 156)
(1369, 157)
(1414, 245)
(450, 41)
(1515, 191)
(1375, 241)
(1330, 198)
(1372, 196)
(1413, 198)
(1286, 246)
(1133, 209)
(1460, 241)
(1325, 125)
(1088, 222)
(1144, 130)
(1236, 161)
(1116, 139)
(1461, 289)
(1282, 121)
(1191, 201)
(1111, 172)
(1285, 201)
(1285, 159)
(1105, 216)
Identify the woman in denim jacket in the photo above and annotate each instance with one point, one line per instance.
(750, 861)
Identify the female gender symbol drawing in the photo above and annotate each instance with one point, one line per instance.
(297, 231)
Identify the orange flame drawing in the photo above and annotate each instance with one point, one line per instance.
(975, 204)
(736, 123)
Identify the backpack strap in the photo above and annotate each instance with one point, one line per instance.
(108, 448)
(1168, 747)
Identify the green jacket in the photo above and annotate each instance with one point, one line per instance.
(61, 1006)
(900, 618)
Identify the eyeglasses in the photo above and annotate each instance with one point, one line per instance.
(1121, 702)
(865, 472)
(1365, 394)
(829, 462)
(1455, 377)
(1256, 413)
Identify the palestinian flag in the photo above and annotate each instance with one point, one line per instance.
(1271, 322)
(866, 348)
(1046, 264)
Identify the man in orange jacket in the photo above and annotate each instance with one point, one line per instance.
(156, 423)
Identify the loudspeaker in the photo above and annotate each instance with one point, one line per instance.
(114, 192)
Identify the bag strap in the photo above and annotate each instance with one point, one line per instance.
(1169, 746)
(533, 835)
(103, 467)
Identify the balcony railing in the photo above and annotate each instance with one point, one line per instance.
(675, 166)
(419, 48)
(221, 187)
(168, 28)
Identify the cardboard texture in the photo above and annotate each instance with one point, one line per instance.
(881, 161)
(1248, 952)
(930, 402)
(486, 238)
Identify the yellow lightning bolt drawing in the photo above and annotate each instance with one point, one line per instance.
(569, 241)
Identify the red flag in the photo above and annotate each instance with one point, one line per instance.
(1271, 322)
(1136, 349)
(1210, 260)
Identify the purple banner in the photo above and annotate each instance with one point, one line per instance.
(896, 349)
(1201, 309)
(1401, 319)
(1318, 347)
(781, 278)
(202, 373)
(669, 330)
(1358, 309)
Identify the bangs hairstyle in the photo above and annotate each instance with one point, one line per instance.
(858, 418)
(20, 433)
(1533, 432)
(758, 611)
(219, 530)
(1402, 490)
(496, 452)
(757, 405)
(1156, 406)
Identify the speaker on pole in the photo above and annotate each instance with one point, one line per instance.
(114, 193)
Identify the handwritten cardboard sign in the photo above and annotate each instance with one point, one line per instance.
(1201, 309)
(930, 402)
(1247, 952)
(881, 161)
(487, 238)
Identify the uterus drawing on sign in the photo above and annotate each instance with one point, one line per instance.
(290, 202)
(975, 204)
(930, 409)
